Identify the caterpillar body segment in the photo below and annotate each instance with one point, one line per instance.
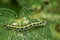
(31, 25)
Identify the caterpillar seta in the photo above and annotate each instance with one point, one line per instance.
(42, 23)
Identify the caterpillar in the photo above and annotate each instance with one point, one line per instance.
(42, 23)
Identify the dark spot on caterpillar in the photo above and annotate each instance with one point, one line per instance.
(46, 2)
(17, 28)
(37, 24)
(41, 22)
(42, 25)
(30, 26)
(34, 24)
(57, 28)
(7, 26)
(21, 28)
(26, 27)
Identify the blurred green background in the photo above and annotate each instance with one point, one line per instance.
(14, 9)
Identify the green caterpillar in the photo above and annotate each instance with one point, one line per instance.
(42, 23)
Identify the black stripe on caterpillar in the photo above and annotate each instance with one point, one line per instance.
(42, 23)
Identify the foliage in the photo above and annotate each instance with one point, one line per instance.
(10, 13)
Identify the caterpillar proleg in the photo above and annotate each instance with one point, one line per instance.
(42, 23)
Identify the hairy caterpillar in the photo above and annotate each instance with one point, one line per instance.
(42, 23)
